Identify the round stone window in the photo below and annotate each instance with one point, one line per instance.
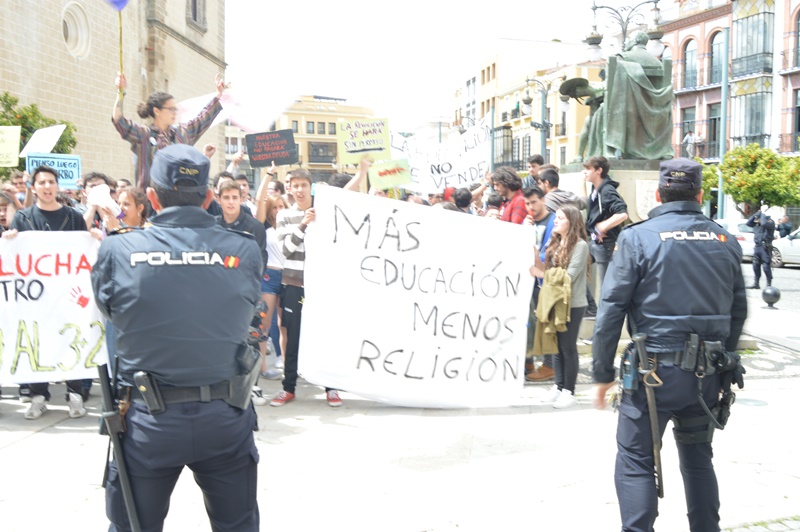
(75, 26)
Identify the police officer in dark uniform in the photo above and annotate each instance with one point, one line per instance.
(763, 233)
(678, 279)
(181, 295)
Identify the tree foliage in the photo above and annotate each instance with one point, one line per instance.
(30, 118)
(759, 176)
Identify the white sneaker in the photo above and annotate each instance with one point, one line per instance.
(272, 374)
(37, 408)
(75, 403)
(279, 363)
(258, 397)
(551, 394)
(565, 399)
(24, 398)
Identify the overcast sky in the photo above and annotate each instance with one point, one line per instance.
(403, 59)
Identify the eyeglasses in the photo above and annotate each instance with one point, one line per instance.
(172, 109)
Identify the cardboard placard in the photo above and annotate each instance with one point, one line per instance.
(49, 323)
(278, 146)
(436, 325)
(9, 145)
(389, 174)
(68, 167)
(363, 137)
(43, 140)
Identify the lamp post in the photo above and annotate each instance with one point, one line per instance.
(624, 16)
(544, 125)
(461, 128)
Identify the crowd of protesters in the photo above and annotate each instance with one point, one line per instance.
(278, 213)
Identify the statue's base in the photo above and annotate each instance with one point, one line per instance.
(638, 181)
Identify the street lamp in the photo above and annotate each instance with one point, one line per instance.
(461, 128)
(624, 16)
(544, 125)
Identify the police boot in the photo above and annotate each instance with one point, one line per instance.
(769, 282)
(755, 286)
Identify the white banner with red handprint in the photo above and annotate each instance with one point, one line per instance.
(50, 327)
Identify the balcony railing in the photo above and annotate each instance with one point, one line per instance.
(752, 64)
(561, 130)
(704, 150)
(698, 78)
(788, 142)
(746, 140)
(790, 58)
(689, 79)
(504, 117)
(514, 113)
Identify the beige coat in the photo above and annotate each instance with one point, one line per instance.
(552, 310)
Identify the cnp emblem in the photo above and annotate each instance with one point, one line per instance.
(231, 262)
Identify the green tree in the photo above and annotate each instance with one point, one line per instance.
(758, 176)
(30, 118)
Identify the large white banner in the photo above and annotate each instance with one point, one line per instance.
(414, 305)
(456, 162)
(50, 327)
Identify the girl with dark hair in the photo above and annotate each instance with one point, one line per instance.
(134, 206)
(567, 249)
(162, 108)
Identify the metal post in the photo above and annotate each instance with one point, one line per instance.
(545, 126)
(723, 137)
(491, 163)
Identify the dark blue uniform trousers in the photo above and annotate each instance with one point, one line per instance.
(214, 439)
(635, 467)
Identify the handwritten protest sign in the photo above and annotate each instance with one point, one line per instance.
(50, 328)
(68, 167)
(363, 137)
(278, 146)
(43, 140)
(399, 308)
(389, 174)
(456, 163)
(9, 145)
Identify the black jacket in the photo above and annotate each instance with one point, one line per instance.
(606, 204)
(248, 224)
(180, 294)
(678, 273)
(763, 229)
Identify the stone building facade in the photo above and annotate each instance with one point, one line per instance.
(63, 56)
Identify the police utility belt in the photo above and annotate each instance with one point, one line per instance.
(237, 391)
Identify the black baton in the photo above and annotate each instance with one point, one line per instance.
(113, 422)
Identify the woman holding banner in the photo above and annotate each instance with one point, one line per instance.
(568, 249)
(162, 108)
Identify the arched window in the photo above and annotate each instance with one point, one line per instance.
(718, 61)
(796, 58)
(690, 64)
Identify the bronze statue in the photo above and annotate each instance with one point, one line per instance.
(632, 118)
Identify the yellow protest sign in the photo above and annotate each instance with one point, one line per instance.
(389, 174)
(9, 145)
(363, 137)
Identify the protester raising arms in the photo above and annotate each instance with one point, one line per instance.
(162, 108)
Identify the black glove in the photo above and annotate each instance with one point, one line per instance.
(738, 373)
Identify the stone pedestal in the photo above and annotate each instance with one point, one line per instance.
(638, 181)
